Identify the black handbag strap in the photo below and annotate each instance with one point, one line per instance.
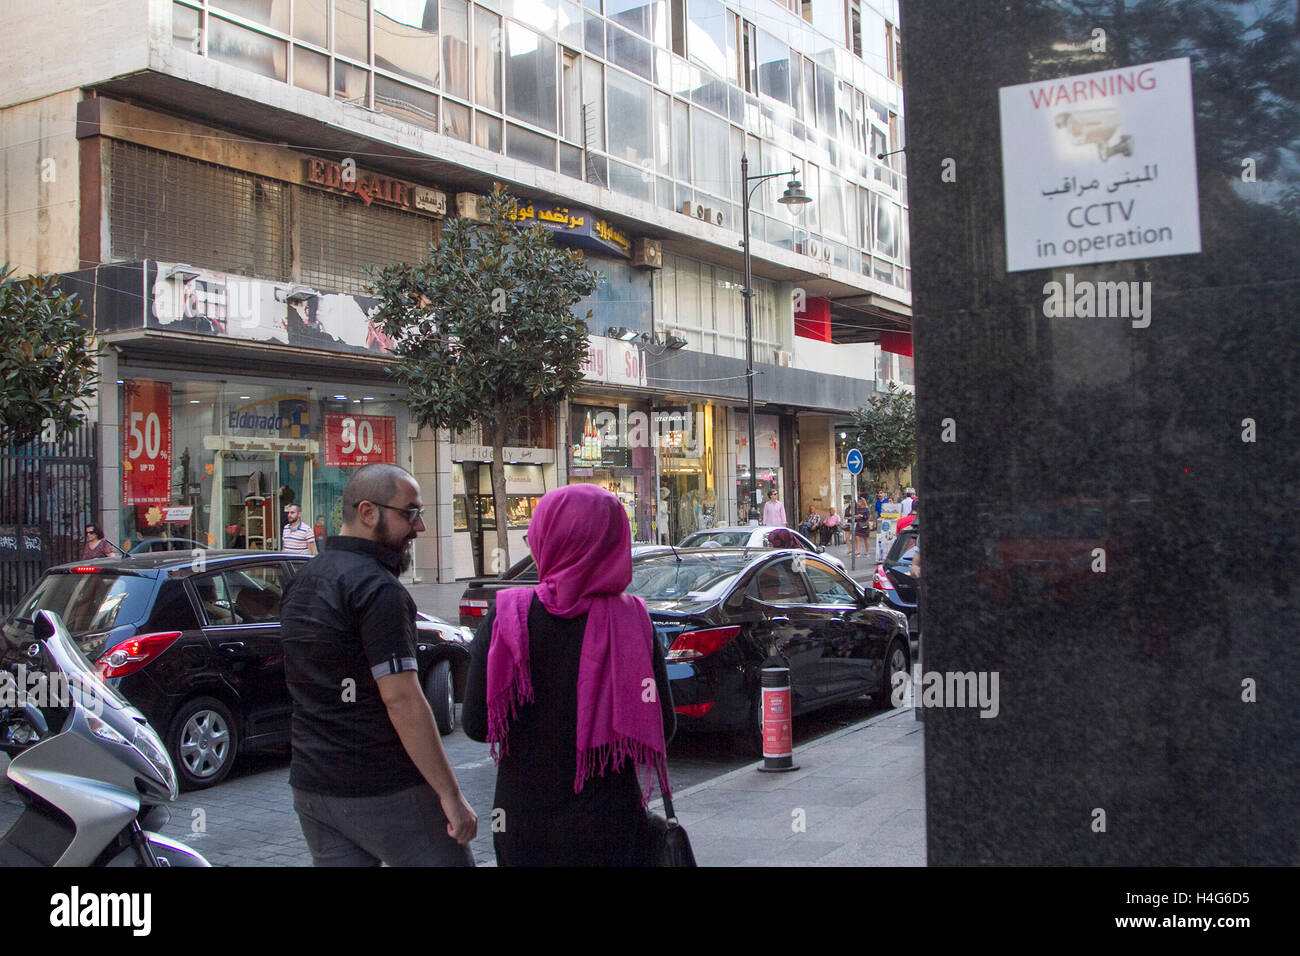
(669, 813)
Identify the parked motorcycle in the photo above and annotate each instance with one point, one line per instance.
(93, 775)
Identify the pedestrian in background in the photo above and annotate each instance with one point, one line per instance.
(909, 498)
(96, 545)
(913, 513)
(810, 527)
(830, 527)
(774, 511)
(568, 683)
(371, 782)
(862, 526)
(297, 537)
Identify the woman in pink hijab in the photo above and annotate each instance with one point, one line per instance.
(567, 682)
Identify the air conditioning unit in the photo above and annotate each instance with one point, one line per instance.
(467, 206)
(647, 253)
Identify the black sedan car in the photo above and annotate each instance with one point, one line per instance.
(723, 613)
(194, 643)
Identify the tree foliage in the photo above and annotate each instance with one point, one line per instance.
(485, 327)
(47, 359)
(885, 432)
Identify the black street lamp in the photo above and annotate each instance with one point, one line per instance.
(793, 196)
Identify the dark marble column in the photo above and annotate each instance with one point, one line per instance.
(1163, 691)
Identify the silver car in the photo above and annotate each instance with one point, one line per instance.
(754, 536)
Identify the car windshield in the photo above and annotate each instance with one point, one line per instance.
(665, 577)
(88, 602)
(721, 539)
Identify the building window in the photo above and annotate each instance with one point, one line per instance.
(747, 48)
(246, 49)
(352, 29)
(677, 26)
(311, 22)
(411, 104)
(530, 79)
(487, 59)
(855, 26)
(455, 48)
(406, 38)
(267, 13)
(629, 111)
(571, 97)
(706, 37)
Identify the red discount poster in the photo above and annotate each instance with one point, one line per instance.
(355, 440)
(146, 443)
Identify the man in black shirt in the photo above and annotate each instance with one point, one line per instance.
(371, 782)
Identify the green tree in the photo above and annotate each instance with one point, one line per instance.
(485, 328)
(885, 432)
(47, 359)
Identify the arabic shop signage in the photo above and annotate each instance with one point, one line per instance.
(373, 188)
(1100, 167)
(577, 226)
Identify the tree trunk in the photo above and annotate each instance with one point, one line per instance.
(501, 553)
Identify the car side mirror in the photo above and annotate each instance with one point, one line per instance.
(871, 597)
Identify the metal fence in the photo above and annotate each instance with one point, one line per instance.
(49, 492)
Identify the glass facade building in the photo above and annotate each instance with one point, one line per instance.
(656, 100)
(233, 166)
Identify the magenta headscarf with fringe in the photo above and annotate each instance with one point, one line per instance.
(582, 543)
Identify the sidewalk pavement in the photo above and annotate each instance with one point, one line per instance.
(857, 799)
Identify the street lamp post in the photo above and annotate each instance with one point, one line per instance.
(793, 196)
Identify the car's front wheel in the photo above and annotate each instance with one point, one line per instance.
(203, 741)
(441, 694)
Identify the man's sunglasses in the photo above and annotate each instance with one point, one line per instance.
(411, 513)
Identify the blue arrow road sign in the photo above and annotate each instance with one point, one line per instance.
(854, 461)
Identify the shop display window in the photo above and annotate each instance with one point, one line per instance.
(238, 454)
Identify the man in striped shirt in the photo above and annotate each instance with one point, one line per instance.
(297, 536)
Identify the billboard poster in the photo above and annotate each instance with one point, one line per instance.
(146, 442)
(355, 440)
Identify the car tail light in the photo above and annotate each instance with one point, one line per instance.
(880, 580)
(133, 653)
(86, 569)
(693, 644)
(473, 608)
(694, 710)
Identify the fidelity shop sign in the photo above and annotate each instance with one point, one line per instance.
(372, 188)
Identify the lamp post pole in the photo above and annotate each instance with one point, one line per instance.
(748, 293)
(794, 196)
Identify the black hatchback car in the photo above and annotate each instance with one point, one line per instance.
(722, 613)
(194, 643)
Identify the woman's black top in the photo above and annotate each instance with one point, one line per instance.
(537, 819)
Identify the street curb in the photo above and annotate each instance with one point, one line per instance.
(713, 781)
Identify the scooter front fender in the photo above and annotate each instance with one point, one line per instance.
(168, 851)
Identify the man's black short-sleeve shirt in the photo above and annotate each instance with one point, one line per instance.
(346, 622)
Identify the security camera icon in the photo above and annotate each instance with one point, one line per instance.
(1097, 127)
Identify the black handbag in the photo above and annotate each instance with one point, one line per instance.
(668, 843)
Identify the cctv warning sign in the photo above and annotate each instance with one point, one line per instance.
(1100, 167)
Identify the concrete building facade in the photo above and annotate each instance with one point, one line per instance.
(212, 177)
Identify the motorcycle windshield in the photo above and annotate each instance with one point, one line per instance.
(84, 684)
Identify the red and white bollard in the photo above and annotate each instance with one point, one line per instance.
(778, 734)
